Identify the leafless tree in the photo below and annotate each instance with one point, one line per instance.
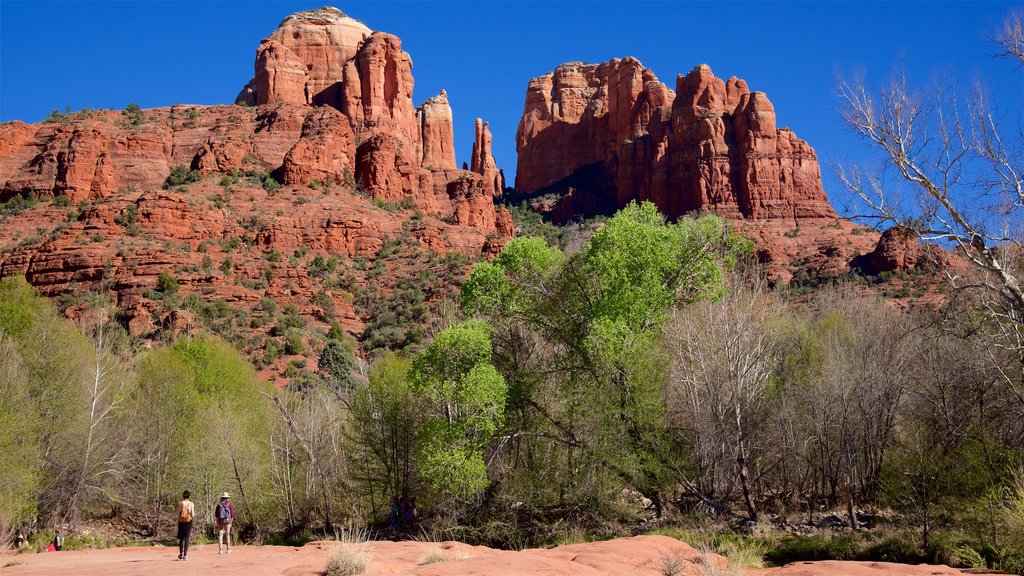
(723, 355)
(959, 180)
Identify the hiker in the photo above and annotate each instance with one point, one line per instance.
(186, 510)
(394, 514)
(58, 541)
(224, 514)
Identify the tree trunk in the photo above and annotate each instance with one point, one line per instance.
(745, 484)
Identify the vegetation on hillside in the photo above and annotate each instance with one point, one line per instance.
(645, 376)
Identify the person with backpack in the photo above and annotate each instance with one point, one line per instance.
(224, 514)
(186, 511)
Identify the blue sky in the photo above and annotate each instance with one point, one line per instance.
(107, 54)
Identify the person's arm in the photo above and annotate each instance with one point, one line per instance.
(231, 512)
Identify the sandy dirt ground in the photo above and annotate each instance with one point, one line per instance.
(641, 555)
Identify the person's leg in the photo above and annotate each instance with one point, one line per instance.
(227, 536)
(220, 538)
(181, 541)
(188, 539)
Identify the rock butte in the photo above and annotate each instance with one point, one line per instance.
(594, 137)
(331, 102)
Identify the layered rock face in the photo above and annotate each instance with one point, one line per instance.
(331, 118)
(435, 120)
(483, 161)
(302, 61)
(614, 133)
(323, 57)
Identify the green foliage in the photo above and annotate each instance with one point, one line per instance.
(133, 115)
(386, 417)
(293, 343)
(596, 381)
(19, 444)
(18, 204)
(467, 398)
(270, 184)
(167, 284)
(182, 176)
(129, 219)
(335, 363)
(406, 203)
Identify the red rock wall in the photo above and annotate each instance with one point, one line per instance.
(614, 133)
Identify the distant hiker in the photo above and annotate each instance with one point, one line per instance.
(414, 513)
(409, 512)
(58, 541)
(186, 511)
(224, 515)
(394, 513)
(403, 513)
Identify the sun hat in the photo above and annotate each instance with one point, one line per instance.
(224, 495)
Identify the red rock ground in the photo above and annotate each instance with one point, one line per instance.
(640, 555)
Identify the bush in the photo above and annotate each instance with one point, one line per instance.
(18, 204)
(129, 219)
(167, 283)
(293, 344)
(182, 176)
(133, 115)
(270, 184)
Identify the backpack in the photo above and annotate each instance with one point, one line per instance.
(184, 514)
(223, 512)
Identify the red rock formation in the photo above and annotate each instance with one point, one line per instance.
(377, 93)
(483, 161)
(301, 62)
(615, 133)
(435, 119)
(323, 82)
(325, 152)
(898, 250)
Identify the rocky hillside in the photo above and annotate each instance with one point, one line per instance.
(323, 193)
(324, 197)
(593, 137)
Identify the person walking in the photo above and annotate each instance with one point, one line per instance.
(186, 511)
(224, 514)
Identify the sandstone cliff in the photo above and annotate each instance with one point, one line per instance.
(614, 133)
(325, 189)
(594, 137)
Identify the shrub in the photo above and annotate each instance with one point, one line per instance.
(182, 176)
(270, 184)
(18, 204)
(129, 219)
(133, 115)
(167, 283)
(293, 343)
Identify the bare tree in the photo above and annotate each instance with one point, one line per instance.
(723, 356)
(959, 180)
(1011, 38)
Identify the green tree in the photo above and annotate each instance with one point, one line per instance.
(335, 364)
(576, 338)
(466, 399)
(386, 417)
(19, 446)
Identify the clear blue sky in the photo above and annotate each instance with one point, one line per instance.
(107, 54)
